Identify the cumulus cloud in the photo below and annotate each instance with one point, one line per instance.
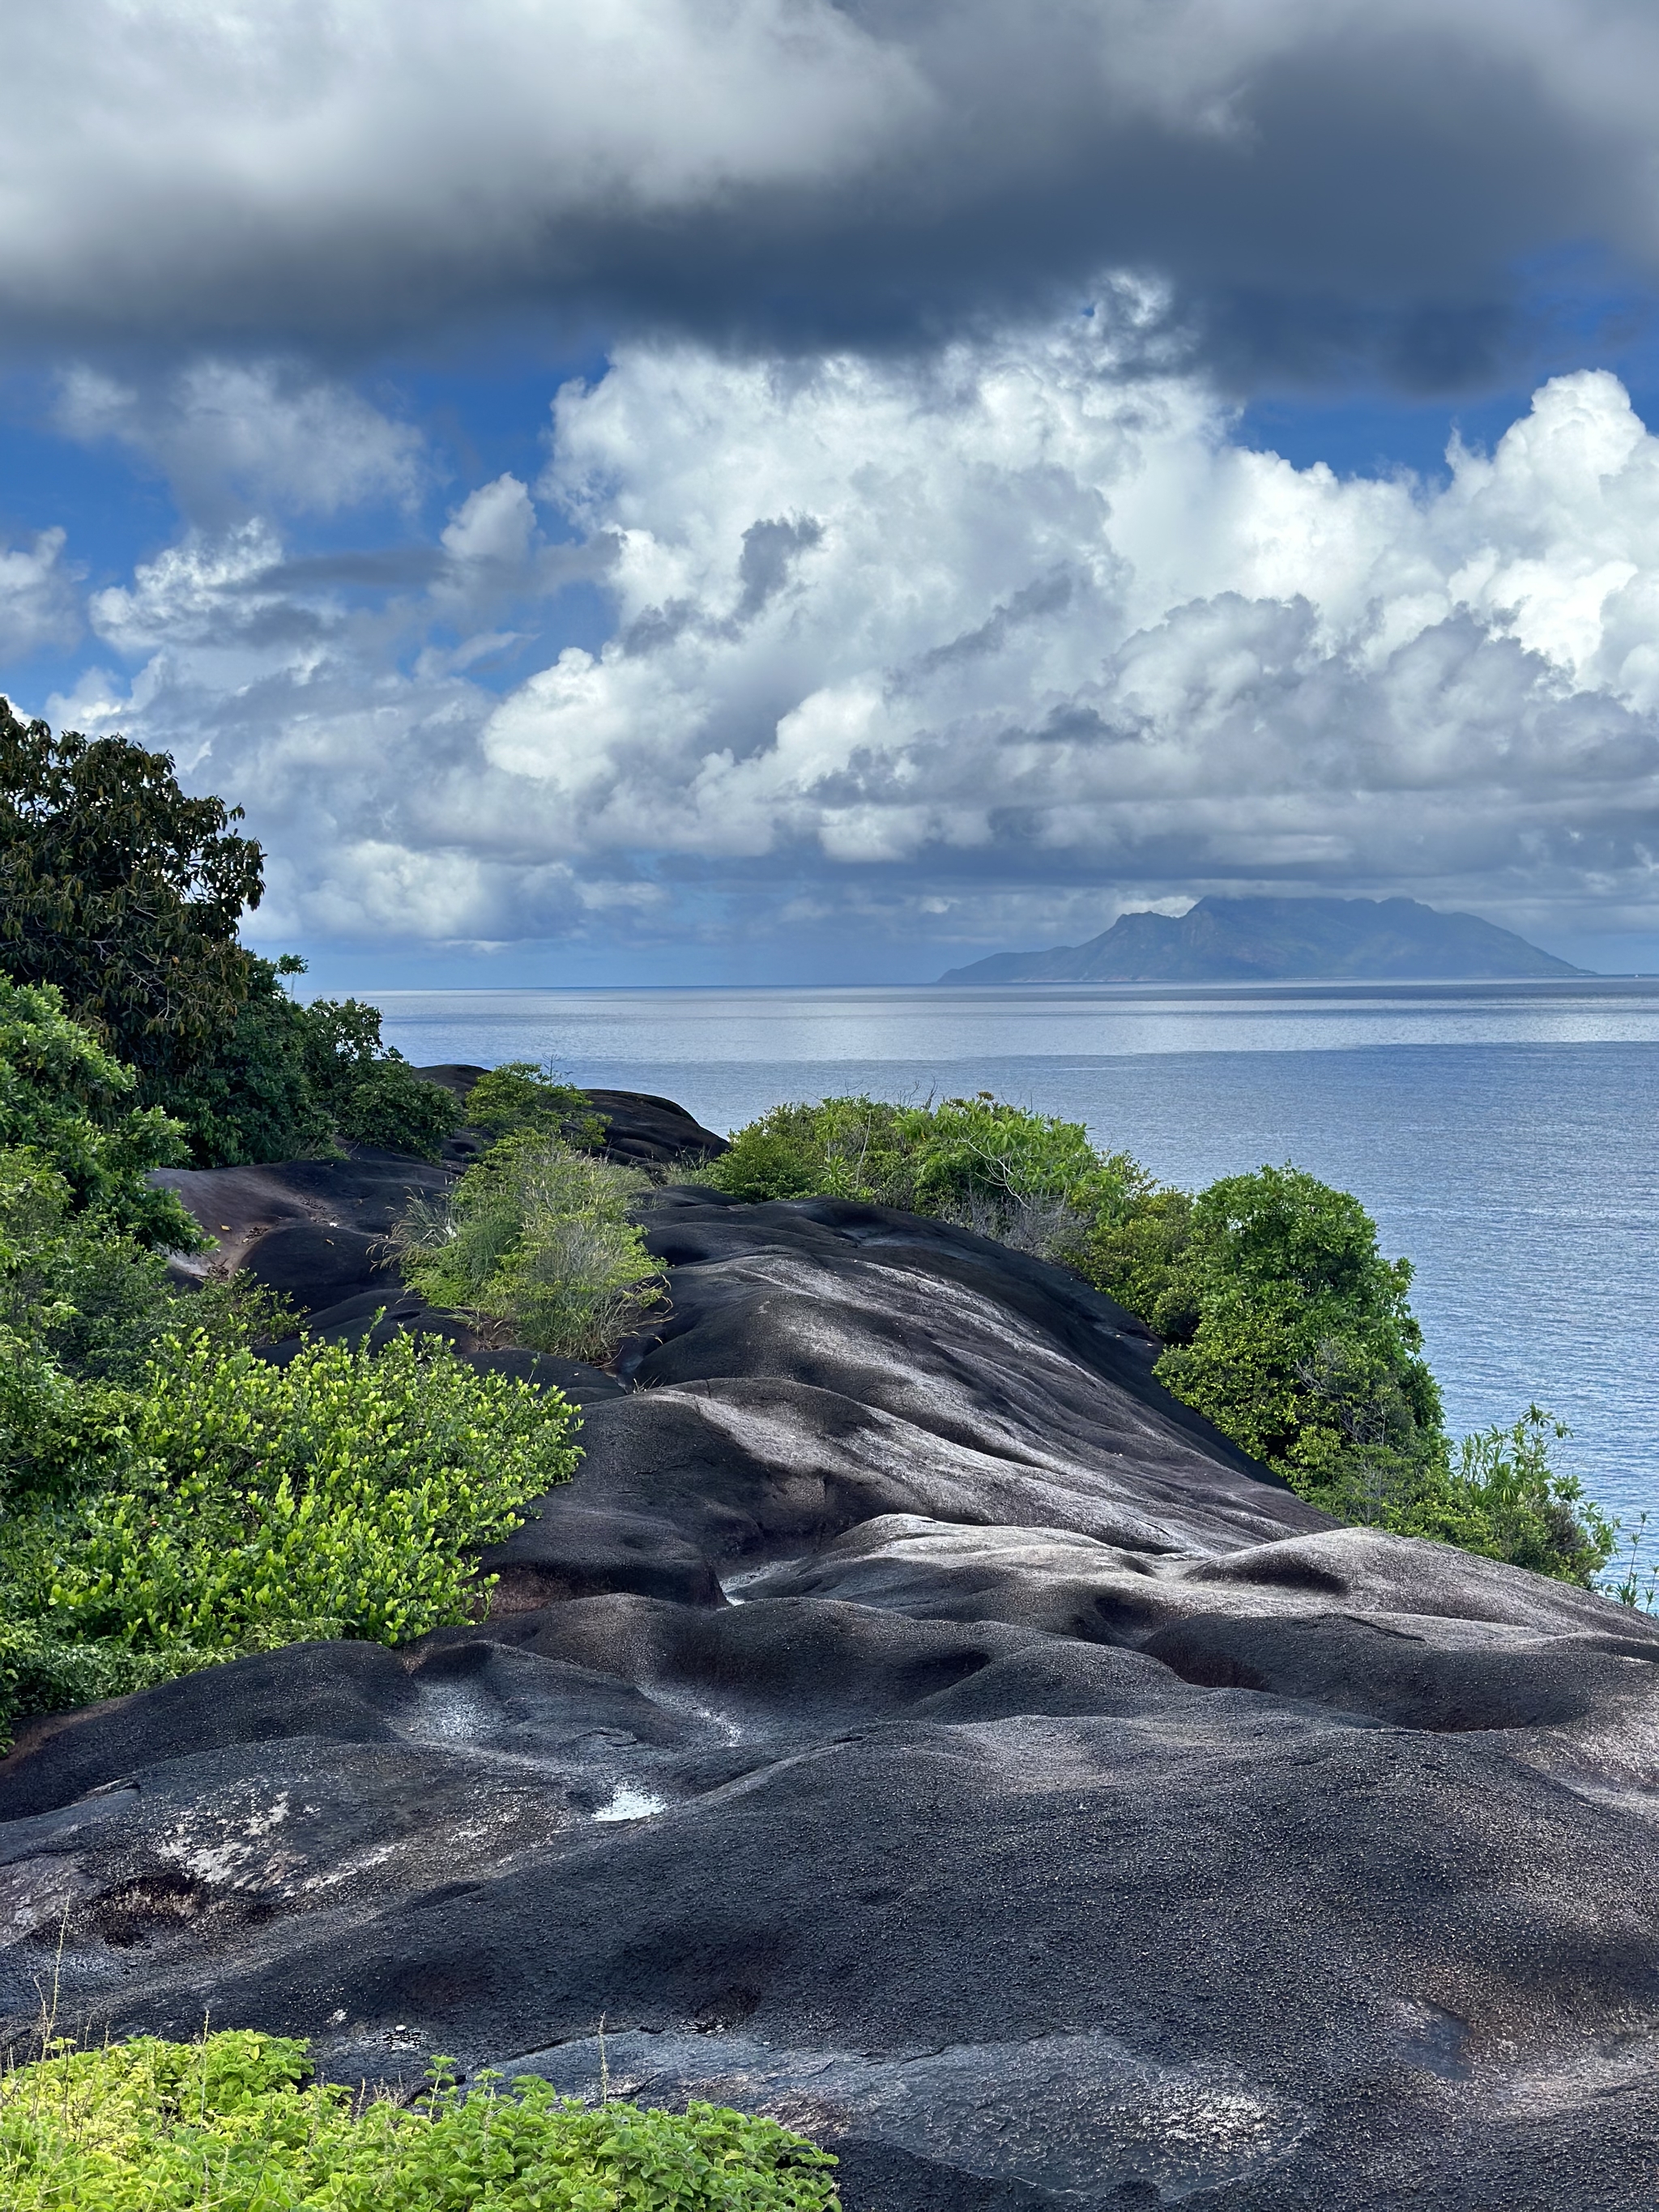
(987, 648)
(1311, 176)
(249, 435)
(38, 599)
(1039, 626)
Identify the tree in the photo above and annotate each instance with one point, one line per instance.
(1299, 1338)
(124, 894)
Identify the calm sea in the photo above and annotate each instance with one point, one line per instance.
(1506, 1137)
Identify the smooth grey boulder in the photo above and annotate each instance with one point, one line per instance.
(912, 1722)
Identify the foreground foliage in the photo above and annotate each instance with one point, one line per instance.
(1282, 1320)
(540, 1237)
(126, 895)
(230, 1505)
(235, 2123)
(339, 1495)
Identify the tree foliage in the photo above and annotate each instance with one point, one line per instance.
(126, 895)
(1290, 1330)
(123, 892)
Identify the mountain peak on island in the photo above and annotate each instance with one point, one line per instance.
(1274, 940)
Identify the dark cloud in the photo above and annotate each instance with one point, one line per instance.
(1310, 187)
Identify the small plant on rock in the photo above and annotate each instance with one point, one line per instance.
(540, 1237)
(519, 1096)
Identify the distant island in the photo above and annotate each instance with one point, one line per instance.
(1272, 941)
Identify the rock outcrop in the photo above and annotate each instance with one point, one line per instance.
(913, 1722)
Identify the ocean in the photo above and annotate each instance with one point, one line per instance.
(1506, 1137)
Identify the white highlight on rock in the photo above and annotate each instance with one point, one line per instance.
(628, 1803)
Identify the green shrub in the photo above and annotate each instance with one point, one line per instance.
(79, 1292)
(65, 1104)
(1302, 1343)
(249, 1096)
(1287, 1326)
(341, 1495)
(540, 1237)
(367, 1089)
(1029, 1179)
(1634, 1579)
(284, 1081)
(394, 1107)
(1500, 1497)
(519, 1096)
(233, 2123)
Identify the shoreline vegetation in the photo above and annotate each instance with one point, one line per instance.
(171, 1496)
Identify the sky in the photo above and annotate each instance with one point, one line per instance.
(769, 491)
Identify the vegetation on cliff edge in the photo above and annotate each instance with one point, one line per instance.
(1282, 1320)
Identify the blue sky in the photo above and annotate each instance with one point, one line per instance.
(814, 493)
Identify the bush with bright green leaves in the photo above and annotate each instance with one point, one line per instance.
(232, 1504)
(1031, 1180)
(66, 1106)
(1287, 1326)
(520, 1096)
(540, 1239)
(235, 2123)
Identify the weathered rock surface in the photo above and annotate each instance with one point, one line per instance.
(912, 1723)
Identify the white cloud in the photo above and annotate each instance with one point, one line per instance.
(984, 646)
(1040, 611)
(38, 599)
(494, 526)
(233, 435)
